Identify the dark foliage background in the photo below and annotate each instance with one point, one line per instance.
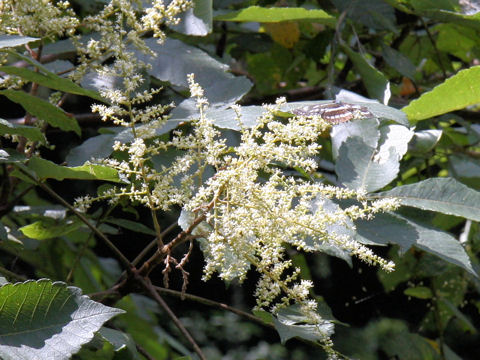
(428, 308)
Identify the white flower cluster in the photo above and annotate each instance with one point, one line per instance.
(37, 18)
(253, 208)
(158, 14)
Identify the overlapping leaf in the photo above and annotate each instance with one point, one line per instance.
(47, 320)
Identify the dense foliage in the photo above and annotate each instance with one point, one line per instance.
(176, 182)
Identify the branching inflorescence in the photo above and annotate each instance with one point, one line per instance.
(253, 208)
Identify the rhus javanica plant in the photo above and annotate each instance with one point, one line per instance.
(130, 172)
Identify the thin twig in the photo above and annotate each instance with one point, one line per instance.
(215, 304)
(151, 289)
(97, 232)
(11, 274)
(336, 40)
(152, 244)
(430, 37)
(144, 352)
(156, 258)
(83, 249)
(4, 209)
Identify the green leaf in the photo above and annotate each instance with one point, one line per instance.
(9, 156)
(174, 60)
(43, 110)
(226, 118)
(291, 322)
(343, 227)
(442, 245)
(420, 292)
(123, 343)
(140, 321)
(444, 11)
(404, 268)
(15, 40)
(449, 353)
(132, 225)
(396, 229)
(266, 317)
(48, 170)
(398, 61)
(32, 133)
(375, 82)
(27, 59)
(51, 81)
(358, 167)
(51, 211)
(100, 146)
(47, 320)
(367, 130)
(386, 229)
(49, 229)
(424, 141)
(196, 21)
(457, 92)
(445, 195)
(374, 14)
(404, 345)
(457, 40)
(268, 15)
(461, 317)
(466, 169)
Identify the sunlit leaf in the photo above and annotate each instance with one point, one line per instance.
(396, 229)
(291, 322)
(196, 21)
(445, 195)
(15, 40)
(47, 320)
(48, 170)
(50, 80)
(267, 15)
(32, 133)
(49, 229)
(457, 92)
(43, 110)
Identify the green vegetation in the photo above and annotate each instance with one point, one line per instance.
(176, 183)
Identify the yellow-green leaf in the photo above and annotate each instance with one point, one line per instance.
(48, 170)
(420, 292)
(42, 109)
(50, 80)
(49, 229)
(269, 15)
(457, 92)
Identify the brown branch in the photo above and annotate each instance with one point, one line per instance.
(144, 352)
(152, 244)
(214, 304)
(6, 207)
(151, 289)
(11, 274)
(160, 254)
(97, 232)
